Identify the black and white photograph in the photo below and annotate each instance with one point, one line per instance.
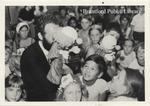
(74, 53)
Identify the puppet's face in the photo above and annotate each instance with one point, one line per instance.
(108, 43)
(66, 36)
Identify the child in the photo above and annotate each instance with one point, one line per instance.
(125, 27)
(23, 40)
(127, 55)
(73, 23)
(63, 15)
(8, 53)
(27, 14)
(71, 89)
(92, 71)
(139, 61)
(95, 34)
(13, 88)
(137, 25)
(128, 85)
(86, 22)
(14, 64)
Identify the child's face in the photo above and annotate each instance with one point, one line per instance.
(141, 9)
(63, 12)
(90, 71)
(128, 47)
(72, 93)
(13, 93)
(7, 55)
(85, 24)
(124, 21)
(117, 85)
(73, 23)
(140, 54)
(95, 36)
(23, 33)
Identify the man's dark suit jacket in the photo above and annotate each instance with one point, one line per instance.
(34, 69)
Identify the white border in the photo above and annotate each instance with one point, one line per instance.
(4, 3)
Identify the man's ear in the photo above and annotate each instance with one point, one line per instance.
(100, 75)
(40, 36)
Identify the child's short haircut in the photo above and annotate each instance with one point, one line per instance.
(141, 44)
(88, 17)
(96, 27)
(113, 26)
(98, 60)
(72, 18)
(13, 81)
(133, 43)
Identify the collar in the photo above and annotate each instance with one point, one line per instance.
(43, 49)
(89, 83)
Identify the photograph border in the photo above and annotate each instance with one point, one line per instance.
(4, 3)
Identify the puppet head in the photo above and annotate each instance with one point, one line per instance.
(66, 37)
(109, 45)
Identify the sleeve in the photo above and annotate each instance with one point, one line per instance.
(32, 72)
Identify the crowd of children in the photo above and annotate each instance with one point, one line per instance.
(110, 63)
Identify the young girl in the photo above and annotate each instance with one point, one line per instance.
(125, 27)
(8, 53)
(139, 61)
(23, 40)
(73, 23)
(95, 34)
(92, 71)
(14, 88)
(86, 22)
(127, 55)
(27, 14)
(71, 89)
(128, 85)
